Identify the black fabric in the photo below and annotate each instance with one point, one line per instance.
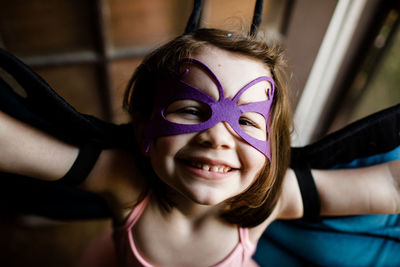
(83, 164)
(43, 108)
(40, 106)
(375, 134)
(309, 194)
(24, 195)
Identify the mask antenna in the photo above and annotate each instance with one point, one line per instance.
(256, 17)
(194, 19)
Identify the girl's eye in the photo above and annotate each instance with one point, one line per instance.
(254, 124)
(187, 112)
(247, 122)
(190, 110)
(192, 113)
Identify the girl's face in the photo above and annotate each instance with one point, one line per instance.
(213, 165)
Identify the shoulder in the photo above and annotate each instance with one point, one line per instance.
(289, 206)
(256, 232)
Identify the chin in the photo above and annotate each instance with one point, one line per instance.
(207, 199)
(207, 202)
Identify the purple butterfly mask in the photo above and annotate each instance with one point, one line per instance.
(224, 109)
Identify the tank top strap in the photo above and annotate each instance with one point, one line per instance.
(136, 212)
(245, 239)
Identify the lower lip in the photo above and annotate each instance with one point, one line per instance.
(208, 175)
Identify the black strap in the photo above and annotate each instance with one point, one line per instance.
(87, 157)
(194, 19)
(309, 194)
(257, 16)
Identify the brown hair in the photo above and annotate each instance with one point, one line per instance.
(253, 206)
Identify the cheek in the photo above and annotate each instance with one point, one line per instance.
(167, 146)
(163, 151)
(257, 167)
(254, 161)
(160, 153)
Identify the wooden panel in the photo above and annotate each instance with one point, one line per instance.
(228, 14)
(146, 22)
(274, 16)
(77, 84)
(121, 72)
(43, 26)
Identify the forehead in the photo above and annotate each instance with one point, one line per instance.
(233, 70)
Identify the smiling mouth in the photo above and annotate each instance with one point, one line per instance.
(208, 167)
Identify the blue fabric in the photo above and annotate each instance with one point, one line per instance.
(367, 240)
(372, 160)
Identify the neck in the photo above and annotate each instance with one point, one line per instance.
(191, 210)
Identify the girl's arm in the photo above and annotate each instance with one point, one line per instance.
(28, 151)
(369, 190)
(290, 204)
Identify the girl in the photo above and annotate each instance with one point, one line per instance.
(209, 173)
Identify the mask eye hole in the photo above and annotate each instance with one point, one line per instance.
(254, 124)
(187, 111)
(200, 79)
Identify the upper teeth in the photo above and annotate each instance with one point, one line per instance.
(207, 167)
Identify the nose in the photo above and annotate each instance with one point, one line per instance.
(220, 136)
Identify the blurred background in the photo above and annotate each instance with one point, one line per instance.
(344, 58)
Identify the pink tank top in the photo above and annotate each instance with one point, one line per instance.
(129, 256)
